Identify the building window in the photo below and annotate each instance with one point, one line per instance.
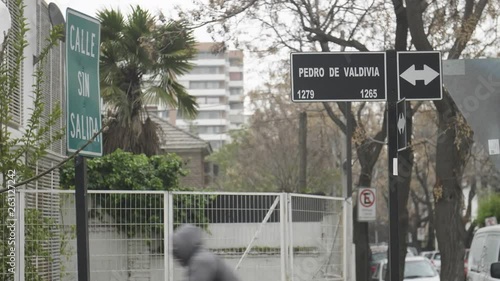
(233, 91)
(216, 144)
(235, 76)
(211, 115)
(211, 129)
(235, 62)
(208, 100)
(203, 69)
(204, 55)
(236, 105)
(206, 85)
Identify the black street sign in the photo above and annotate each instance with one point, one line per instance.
(401, 125)
(420, 75)
(342, 76)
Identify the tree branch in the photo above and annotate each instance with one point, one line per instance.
(60, 163)
(226, 15)
(416, 25)
(334, 117)
(469, 24)
(401, 25)
(321, 36)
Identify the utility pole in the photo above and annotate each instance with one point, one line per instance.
(303, 151)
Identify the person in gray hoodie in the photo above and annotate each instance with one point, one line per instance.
(202, 264)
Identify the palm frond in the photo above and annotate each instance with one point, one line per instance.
(140, 61)
(112, 23)
(187, 105)
(158, 95)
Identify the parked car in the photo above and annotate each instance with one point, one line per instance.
(379, 252)
(484, 255)
(426, 254)
(416, 269)
(434, 257)
(413, 250)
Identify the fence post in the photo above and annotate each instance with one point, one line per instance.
(283, 250)
(20, 239)
(289, 208)
(166, 236)
(348, 245)
(170, 225)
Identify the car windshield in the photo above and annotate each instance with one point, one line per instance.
(437, 257)
(418, 269)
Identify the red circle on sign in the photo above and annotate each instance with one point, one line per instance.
(367, 198)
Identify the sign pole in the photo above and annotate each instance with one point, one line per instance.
(83, 116)
(82, 234)
(392, 148)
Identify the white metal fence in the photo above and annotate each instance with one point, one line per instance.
(264, 236)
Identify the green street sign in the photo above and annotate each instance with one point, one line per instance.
(83, 112)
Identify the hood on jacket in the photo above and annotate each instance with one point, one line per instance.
(187, 239)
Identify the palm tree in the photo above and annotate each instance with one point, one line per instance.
(141, 57)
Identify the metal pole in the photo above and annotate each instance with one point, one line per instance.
(347, 167)
(348, 147)
(82, 231)
(392, 99)
(302, 151)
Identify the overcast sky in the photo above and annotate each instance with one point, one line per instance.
(253, 68)
(90, 7)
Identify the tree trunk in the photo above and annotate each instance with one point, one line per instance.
(453, 148)
(405, 168)
(431, 233)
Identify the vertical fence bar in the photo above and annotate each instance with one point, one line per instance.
(20, 237)
(290, 233)
(347, 245)
(283, 236)
(166, 236)
(170, 224)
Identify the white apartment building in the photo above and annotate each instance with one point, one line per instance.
(216, 81)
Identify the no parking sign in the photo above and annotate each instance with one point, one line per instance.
(367, 210)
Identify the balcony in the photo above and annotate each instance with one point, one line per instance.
(237, 118)
(204, 77)
(213, 107)
(214, 137)
(235, 83)
(236, 112)
(207, 92)
(236, 68)
(236, 98)
(210, 62)
(202, 122)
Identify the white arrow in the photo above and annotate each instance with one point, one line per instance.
(401, 123)
(427, 74)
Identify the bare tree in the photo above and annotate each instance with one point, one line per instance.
(449, 26)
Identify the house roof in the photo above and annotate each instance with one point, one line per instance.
(174, 138)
